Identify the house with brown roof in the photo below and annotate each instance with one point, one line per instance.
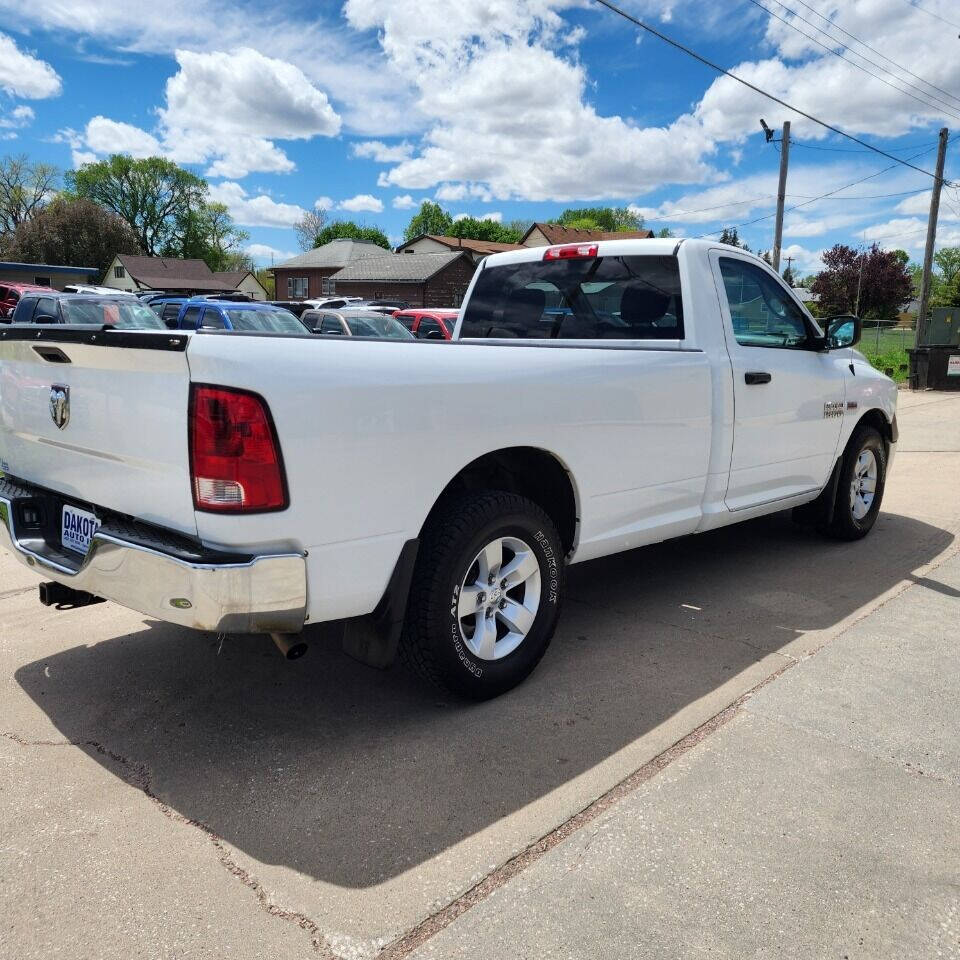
(422, 279)
(244, 281)
(551, 234)
(132, 273)
(307, 276)
(475, 249)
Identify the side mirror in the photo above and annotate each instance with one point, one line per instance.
(843, 331)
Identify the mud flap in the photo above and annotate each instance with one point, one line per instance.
(374, 639)
(820, 512)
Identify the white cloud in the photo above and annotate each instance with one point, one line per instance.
(263, 253)
(804, 260)
(403, 202)
(225, 110)
(362, 202)
(381, 152)
(323, 203)
(18, 117)
(24, 75)
(111, 136)
(508, 110)
(256, 211)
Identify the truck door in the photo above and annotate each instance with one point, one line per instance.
(788, 398)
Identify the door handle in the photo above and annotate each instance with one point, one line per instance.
(757, 376)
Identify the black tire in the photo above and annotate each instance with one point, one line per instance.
(433, 643)
(844, 525)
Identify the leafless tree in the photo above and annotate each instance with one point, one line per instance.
(25, 188)
(308, 226)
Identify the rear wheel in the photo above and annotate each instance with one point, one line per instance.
(486, 594)
(863, 474)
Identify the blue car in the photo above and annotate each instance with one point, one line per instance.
(229, 315)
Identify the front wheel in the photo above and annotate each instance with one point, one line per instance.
(486, 594)
(863, 474)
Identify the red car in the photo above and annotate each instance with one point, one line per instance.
(429, 323)
(10, 294)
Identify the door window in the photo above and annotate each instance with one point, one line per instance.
(330, 324)
(762, 312)
(191, 318)
(46, 311)
(212, 319)
(428, 326)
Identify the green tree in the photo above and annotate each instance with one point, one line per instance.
(489, 230)
(732, 238)
(153, 195)
(948, 260)
(268, 281)
(73, 231)
(208, 233)
(789, 277)
(25, 188)
(350, 230)
(665, 232)
(430, 218)
(609, 219)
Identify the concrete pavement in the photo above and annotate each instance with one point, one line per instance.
(193, 798)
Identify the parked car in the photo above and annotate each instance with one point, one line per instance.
(92, 288)
(247, 317)
(433, 324)
(168, 309)
(234, 295)
(608, 395)
(393, 304)
(10, 294)
(333, 303)
(355, 323)
(296, 307)
(51, 306)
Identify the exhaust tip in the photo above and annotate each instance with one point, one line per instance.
(291, 645)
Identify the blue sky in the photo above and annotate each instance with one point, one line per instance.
(501, 108)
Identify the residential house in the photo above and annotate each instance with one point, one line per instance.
(551, 234)
(475, 249)
(422, 279)
(308, 277)
(131, 272)
(243, 281)
(46, 275)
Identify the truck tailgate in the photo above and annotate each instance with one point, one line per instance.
(100, 416)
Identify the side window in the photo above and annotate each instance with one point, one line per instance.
(191, 318)
(407, 320)
(46, 311)
(762, 313)
(428, 326)
(589, 298)
(170, 311)
(24, 311)
(330, 324)
(212, 320)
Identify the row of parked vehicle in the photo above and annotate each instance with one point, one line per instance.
(333, 316)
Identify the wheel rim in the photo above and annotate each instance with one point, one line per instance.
(863, 486)
(499, 598)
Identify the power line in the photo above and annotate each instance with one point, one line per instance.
(879, 53)
(783, 103)
(816, 146)
(807, 203)
(930, 13)
(950, 108)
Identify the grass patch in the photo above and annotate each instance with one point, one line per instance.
(887, 349)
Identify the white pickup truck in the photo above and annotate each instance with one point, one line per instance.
(596, 398)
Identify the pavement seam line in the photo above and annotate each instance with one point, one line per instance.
(428, 928)
(138, 777)
(405, 944)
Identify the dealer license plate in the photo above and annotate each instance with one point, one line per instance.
(77, 528)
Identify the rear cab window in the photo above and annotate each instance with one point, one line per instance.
(595, 298)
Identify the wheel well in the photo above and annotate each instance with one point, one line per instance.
(530, 472)
(877, 419)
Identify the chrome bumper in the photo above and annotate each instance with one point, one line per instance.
(260, 594)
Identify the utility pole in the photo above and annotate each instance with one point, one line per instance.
(790, 266)
(931, 238)
(781, 193)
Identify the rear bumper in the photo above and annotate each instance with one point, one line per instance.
(161, 575)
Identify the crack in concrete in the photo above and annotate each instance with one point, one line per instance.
(16, 593)
(137, 776)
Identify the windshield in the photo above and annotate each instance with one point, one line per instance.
(267, 319)
(378, 325)
(120, 314)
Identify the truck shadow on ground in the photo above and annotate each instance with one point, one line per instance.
(353, 776)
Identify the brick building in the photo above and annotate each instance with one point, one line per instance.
(433, 243)
(422, 279)
(551, 234)
(307, 277)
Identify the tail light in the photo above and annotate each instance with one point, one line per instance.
(235, 462)
(571, 251)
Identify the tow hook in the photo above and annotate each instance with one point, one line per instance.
(291, 645)
(53, 594)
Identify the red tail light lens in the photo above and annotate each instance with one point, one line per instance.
(571, 251)
(235, 460)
